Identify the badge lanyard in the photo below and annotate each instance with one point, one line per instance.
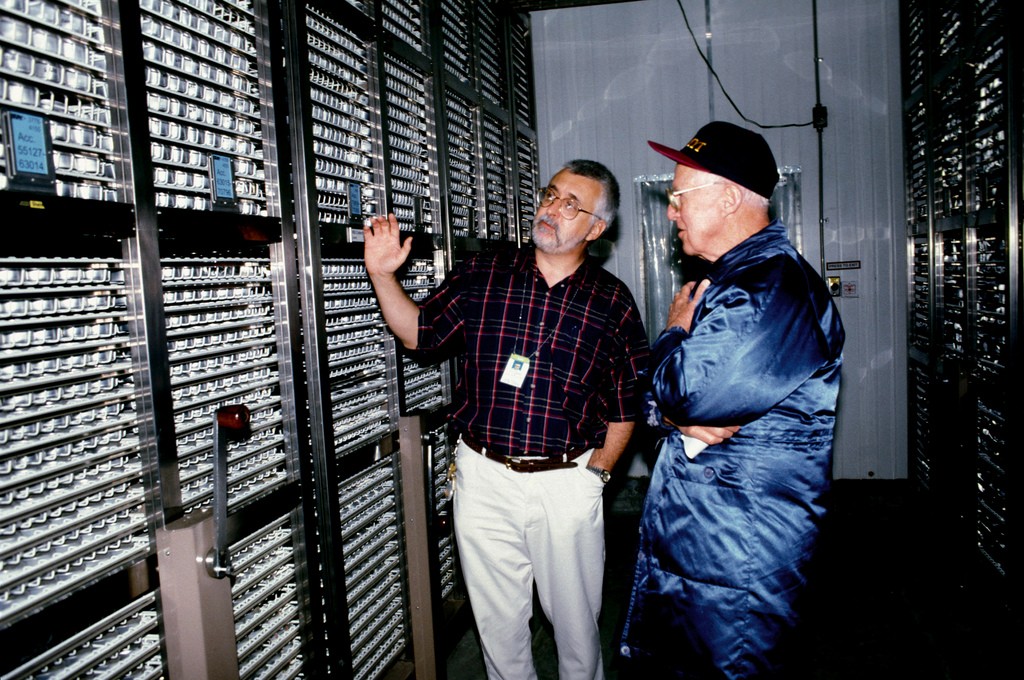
(518, 365)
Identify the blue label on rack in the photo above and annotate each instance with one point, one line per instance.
(354, 199)
(29, 144)
(223, 180)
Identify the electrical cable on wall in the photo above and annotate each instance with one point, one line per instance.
(819, 116)
(725, 93)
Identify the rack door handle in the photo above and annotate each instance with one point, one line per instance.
(229, 422)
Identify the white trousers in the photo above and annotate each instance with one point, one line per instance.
(515, 529)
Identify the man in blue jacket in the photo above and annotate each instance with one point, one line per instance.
(749, 364)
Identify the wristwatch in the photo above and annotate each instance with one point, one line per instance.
(605, 475)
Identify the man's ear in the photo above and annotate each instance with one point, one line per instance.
(732, 198)
(595, 231)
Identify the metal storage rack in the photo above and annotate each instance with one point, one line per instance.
(357, 360)
(374, 569)
(491, 64)
(222, 349)
(423, 387)
(126, 643)
(440, 451)
(456, 27)
(265, 602)
(186, 217)
(58, 64)
(203, 94)
(462, 133)
(71, 475)
(962, 104)
(408, 108)
(348, 173)
(496, 176)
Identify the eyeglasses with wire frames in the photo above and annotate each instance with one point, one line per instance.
(674, 194)
(569, 208)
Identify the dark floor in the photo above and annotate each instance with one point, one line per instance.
(891, 600)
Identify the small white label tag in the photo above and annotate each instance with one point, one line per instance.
(515, 371)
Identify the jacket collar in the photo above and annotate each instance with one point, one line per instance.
(770, 241)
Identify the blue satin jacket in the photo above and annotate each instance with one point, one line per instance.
(726, 537)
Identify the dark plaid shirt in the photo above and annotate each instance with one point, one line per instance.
(584, 339)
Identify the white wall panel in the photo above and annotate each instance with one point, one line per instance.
(610, 77)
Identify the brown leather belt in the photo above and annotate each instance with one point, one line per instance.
(524, 463)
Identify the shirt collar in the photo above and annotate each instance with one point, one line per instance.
(526, 261)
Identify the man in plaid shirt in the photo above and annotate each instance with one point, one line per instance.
(549, 347)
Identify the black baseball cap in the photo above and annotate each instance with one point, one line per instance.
(729, 151)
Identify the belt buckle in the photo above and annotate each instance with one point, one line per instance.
(518, 464)
(523, 464)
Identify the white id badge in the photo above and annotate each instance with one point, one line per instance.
(515, 370)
